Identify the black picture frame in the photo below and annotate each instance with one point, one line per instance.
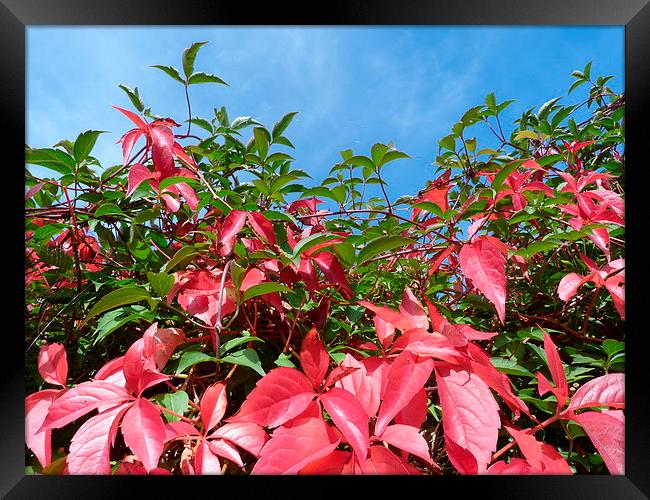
(17, 15)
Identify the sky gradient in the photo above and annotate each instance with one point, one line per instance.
(352, 86)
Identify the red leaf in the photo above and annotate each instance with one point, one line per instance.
(91, 445)
(128, 140)
(112, 372)
(608, 390)
(470, 415)
(307, 274)
(314, 358)
(278, 397)
(407, 438)
(556, 369)
(607, 432)
(569, 285)
(134, 118)
(262, 226)
(365, 388)
(178, 429)
(349, 416)
(332, 269)
(82, 399)
(383, 461)
(213, 405)
(226, 450)
(39, 441)
(206, 461)
(423, 343)
(144, 432)
(542, 457)
(332, 464)
(162, 139)
(140, 371)
(53, 364)
(251, 437)
(412, 311)
(482, 262)
(415, 411)
(232, 224)
(406, 377)
(289, 450)
(515, 466)
(461, 458)
(138, 173)
(385, 331)
(388, 315)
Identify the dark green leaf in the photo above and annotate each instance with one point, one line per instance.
(189, 56)
(205, 78)
(181, 257)
(133, 96)
(54, 159)
(161, 283)
(120, 297)
(171, 71)
(382, 244)
(262, 289)
(246, 357)
(175, 401)
(281, 125)
(191, 358)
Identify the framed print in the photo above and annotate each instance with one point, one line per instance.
(381, 241)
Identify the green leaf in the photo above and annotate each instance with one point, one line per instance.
(205, 78)
(108, 209)
(177, 402)
(232, 343)
(182, 256)
(545, 108)
(377, 152)
(360, 160)
(133, 96)
(204, 124)
(191, 358)
(526, 134)
(429, 206)
(612, 347)
(447, 142)
(55, 257)
(311, 241)
(382, 244)
(536, 247)
(281, 125)
(189, 56)
(490, 101)
(170, 181)
(503, 174)
(171, 71)
(54, 159)
(278, 157)
(283, 360)
(246, 357)
(261, 141)
(510, 367)
(47, 231)
(120, 297)
(392, 156)
(161, 283)
(85, 143)
(112, 320)
(262, 289)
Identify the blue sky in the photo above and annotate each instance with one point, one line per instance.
(352, 86)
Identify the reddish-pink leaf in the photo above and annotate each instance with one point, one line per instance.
(607, 432)
(556, 369)
(365, 388)
(608, 390)
(307, 274)
(232, 224)
(82, 399)
(226, 450)
(278, 397)
(350, 418)
(91, 445)
(178, 429)
(470, 415)
(542, 457)
(384, 461)
(423, 343)
(162, 139)
(480, 364)
(36, 407)
(160, 343)
(262, 226)
(128, 140)
(314, 359)
(616, 287)
(206, 461)
(138, 173)
(332, 269)
(134, 118)
(515, 466)
(144, 432)
(140, 371)
(251, 437)
(412, 311)
(53, 364)
(112, 372)
(289, 450)
(415, 411)
(461, 458)
(332, 464)
(407, 438)
(213, 405)
(483, 262)
(385, 331)
(406, 377)
(569, 285)
(388, 315)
